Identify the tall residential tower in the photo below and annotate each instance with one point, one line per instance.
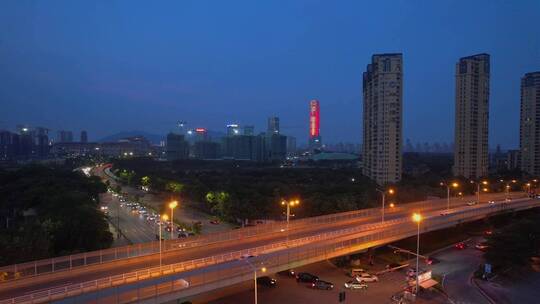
(383, 95)
(472, 116)
(529, 129)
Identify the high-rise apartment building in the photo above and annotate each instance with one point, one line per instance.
(84, 137)
(529, 129)
(273, 125)
(382, 141)
(472, 116)
(65, 136)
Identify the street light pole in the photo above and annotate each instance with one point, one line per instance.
(447, 198)
(288, 205)
(478, 193)
(255, 283)
(383, 193)
(172, 205)
(263, 269)
(417, 218)
(455, 185)
(162, 218)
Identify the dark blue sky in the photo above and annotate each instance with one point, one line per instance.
(108, 66)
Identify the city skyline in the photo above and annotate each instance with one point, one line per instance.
(153, 87)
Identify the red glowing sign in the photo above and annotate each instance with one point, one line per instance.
(200, 130)
(314, 118)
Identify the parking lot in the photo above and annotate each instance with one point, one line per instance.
(288, 290)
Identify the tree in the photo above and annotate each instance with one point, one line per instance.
(145, 181)
(515, 244)
(174, 187)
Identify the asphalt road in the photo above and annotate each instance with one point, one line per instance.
(107, 269)
(457, 266)
(133, 226)
(289, 291)
(112, 268)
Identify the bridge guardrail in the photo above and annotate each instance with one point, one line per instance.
(63, 263)
(456, 217)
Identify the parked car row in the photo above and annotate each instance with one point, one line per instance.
(153, 218)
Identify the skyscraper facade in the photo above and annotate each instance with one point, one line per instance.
(472, 116)
(382, 121)
(273, 125)
(84, 137)
(65, 136)
(529, 129)
(315, 141)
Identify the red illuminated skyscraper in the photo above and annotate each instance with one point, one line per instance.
(314, 124)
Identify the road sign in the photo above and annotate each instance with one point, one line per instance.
(487, 268)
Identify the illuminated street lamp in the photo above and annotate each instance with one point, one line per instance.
(383, 193)
(478, 184)
(263, 270)
(507, 187)
(172, 205)
(289, 204)
(454, 185)
(163, 217)
(417, 218)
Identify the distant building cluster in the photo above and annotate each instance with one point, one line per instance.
(240, 143)
(34, 143)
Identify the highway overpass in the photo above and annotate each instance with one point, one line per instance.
(204, 263)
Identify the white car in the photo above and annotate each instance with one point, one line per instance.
(491, 202)
(355, 285)
(366, 277)
(471, 203)
(181, 284)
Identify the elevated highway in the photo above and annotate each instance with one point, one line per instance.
(191, 266)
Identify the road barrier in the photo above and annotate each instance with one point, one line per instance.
(279, 255)
(64, 263)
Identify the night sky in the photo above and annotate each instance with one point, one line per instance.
(110, 66)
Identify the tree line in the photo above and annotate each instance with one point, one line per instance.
(49, 211)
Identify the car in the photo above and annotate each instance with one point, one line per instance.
(482, 246)
(460, 246)
(366, 277)
(445, 213)
(306, 277)
(488, 232)
(471, 203)
(289, 273)
(267, 281)
(214, 222)
(432, 261)
(355, 285)
(246, 256)
(356, 271)
(491, 202)
(320, 284)
(183, 283)
(411, 272)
